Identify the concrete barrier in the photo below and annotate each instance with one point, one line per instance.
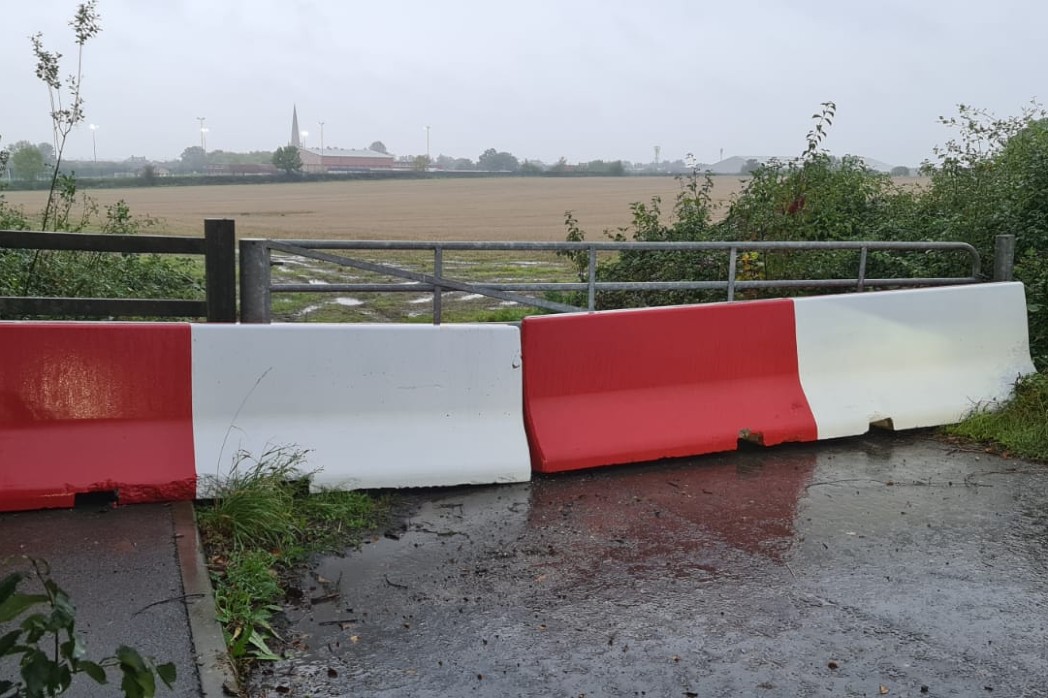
(638, 385)
(376, 405)
(88, 407)
(909, 359)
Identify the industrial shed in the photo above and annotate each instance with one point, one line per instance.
(342, 160)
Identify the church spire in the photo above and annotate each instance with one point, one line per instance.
(295, 141)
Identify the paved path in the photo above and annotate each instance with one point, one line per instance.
(122, 569)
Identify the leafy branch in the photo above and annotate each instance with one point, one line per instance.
(823, 120)
(67, 110)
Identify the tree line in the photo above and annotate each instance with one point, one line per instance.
(30, 163)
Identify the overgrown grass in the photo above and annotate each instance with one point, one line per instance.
(1020, 426)
(263, 522)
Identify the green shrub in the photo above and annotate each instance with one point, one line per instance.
(95, 274)
(692, 221)
(990, 179)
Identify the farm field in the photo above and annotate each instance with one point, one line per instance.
(511, 208)
(490, 209)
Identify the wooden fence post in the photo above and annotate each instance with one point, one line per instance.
(220, 269)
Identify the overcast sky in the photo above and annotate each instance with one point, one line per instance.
(541, 79)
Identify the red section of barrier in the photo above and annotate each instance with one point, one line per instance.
(639, 385)
(94, 407)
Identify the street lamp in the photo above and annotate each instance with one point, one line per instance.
(321, 136)
(427, 146)
(203, 132)
(94, 145)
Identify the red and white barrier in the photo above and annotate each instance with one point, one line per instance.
(153, 410)
(632, 386)
(149, 409)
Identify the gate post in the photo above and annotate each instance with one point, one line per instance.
(254, 282)
(1004, 258)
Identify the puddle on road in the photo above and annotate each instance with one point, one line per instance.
(900, 562)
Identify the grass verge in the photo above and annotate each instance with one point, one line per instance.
(1018, 427)
(261, 524)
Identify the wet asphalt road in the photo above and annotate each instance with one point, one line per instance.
(885, 565)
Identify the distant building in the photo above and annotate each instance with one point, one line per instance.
(336, 159)
(341, 160)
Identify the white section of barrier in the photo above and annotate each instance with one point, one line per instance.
(918, 357)
(375, 405)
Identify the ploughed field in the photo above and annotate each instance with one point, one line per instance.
(496, 208)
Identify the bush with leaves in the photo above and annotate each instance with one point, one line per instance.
(95, 274)
(49, 652)
(693, 221)
(991, 179)
(816, 197)
(987, 180)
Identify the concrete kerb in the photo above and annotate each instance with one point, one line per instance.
(217, 678)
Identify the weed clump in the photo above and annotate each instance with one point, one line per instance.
(261, 523)
(1020, 426)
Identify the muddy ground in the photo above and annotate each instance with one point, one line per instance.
(892, 564)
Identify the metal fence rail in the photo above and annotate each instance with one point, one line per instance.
(256, 285)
